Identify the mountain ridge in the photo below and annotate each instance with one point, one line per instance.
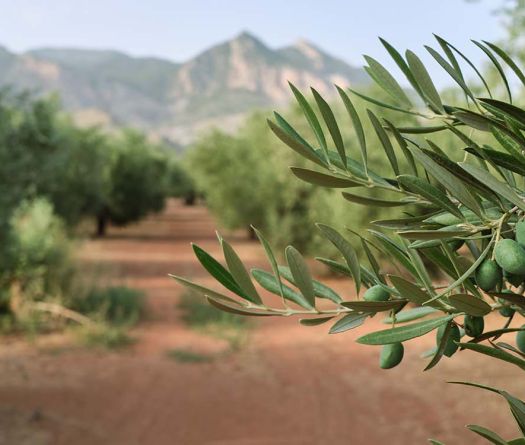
(173, 100)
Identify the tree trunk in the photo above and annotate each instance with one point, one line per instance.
(190, 199)
(102, 224)
(251, 233)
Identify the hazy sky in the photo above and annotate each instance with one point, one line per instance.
(178, 30)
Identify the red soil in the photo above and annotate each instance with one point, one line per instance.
(289, 384)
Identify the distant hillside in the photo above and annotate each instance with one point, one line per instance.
(173, 100)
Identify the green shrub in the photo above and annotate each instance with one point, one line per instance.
(118, 306)
(36, 260)
(102, 335)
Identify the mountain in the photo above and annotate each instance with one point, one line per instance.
(173, 100)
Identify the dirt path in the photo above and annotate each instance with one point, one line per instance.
(288, 385)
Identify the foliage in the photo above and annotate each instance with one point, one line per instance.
(118, 305)
(104, 335)
(461, 210)
(54, 175)
(139, 180)
(82, 172)
(36, 260)
(180, 183)
(263, 193)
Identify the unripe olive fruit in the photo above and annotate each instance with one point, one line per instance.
(506, 311)
(488, 275)
(510, 256)
(520, 232)
(520, 340)
(391, 355)
(451, 347)
(376, 293)
(474, 325)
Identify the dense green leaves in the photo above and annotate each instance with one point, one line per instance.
(449, 181)
(429, 192)
(500, 188)
(454, 213)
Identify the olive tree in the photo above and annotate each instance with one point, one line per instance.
(465, 215)
(138, 181)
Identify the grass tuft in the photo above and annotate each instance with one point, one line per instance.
(102, 335)
(201, 316)
(188, 356)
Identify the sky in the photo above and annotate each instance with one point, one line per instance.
(178, 30)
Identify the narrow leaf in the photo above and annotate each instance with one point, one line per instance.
(424, 81)
(367, 201)
(497, 65)
(320, 289)
(310, 116)
(217, 271)
(296, 145)
(495, 353)
(441, 347)
(385, 141)
(346, 249)
(410, 291)
(271, 259)
(323, 179)
(449, 181)
(429, 192)
(239, 273)
(374, 306)
(491, 436)
(270, 283)
(331, 123)
(301, 274)
(358, 126)
(469, 304)
(403, 333)
(410, 315)
(349, 321)
(386, 81)
(204, 291)
(238, 310)
(498, 187)
(314, 321)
